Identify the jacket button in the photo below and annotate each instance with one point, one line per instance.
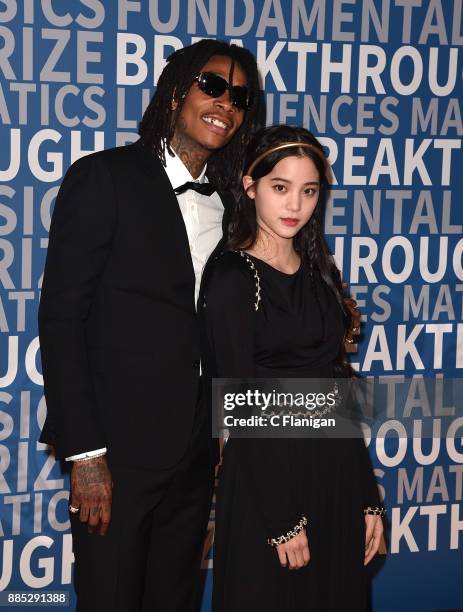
(196, 364)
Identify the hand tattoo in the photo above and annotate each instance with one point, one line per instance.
(92, 473)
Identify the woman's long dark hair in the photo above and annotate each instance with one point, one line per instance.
(309, 242)
(158, 122)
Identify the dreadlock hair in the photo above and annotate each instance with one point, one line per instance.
(309, 242)
(158, 123)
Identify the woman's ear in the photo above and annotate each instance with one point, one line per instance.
(248, 186)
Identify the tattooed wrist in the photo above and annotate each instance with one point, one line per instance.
(92, 472)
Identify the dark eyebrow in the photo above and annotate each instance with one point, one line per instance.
(283, 180)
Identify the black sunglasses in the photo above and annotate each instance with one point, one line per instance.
(215, 86)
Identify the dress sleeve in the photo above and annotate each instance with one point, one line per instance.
(229, 315)
(370, 487)
(267, 464)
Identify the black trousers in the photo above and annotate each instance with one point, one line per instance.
(149, 560)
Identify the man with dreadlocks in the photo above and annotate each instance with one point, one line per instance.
(131, 231)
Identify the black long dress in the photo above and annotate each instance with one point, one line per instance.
(265, 486)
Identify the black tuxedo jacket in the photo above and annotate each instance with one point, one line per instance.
(118, 327)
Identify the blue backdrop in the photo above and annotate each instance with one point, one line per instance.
(380, 82)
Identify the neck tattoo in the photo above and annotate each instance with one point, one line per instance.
(192, 155)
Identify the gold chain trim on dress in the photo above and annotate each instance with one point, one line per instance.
(378, 510)
(256, 276)
(290, 534)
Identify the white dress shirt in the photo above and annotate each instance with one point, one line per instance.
(202, 216)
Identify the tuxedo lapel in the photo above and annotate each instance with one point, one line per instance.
(166, 202)
(165, 199)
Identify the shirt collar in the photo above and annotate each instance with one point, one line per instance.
(178, 173)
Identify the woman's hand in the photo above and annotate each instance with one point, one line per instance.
(295, 553)
(373, 532)
(355, 322)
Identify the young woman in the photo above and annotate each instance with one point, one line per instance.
(273, 308)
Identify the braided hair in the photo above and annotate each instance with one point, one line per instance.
(158, 123)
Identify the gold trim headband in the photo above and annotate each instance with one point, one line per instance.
(286, 145)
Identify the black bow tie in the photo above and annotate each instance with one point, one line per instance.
(203, 188)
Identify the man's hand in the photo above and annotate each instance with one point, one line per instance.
(91, 492)
(354, 327)
(295, 553)
(373, 532)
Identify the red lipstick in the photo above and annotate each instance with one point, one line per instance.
(289, 221)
